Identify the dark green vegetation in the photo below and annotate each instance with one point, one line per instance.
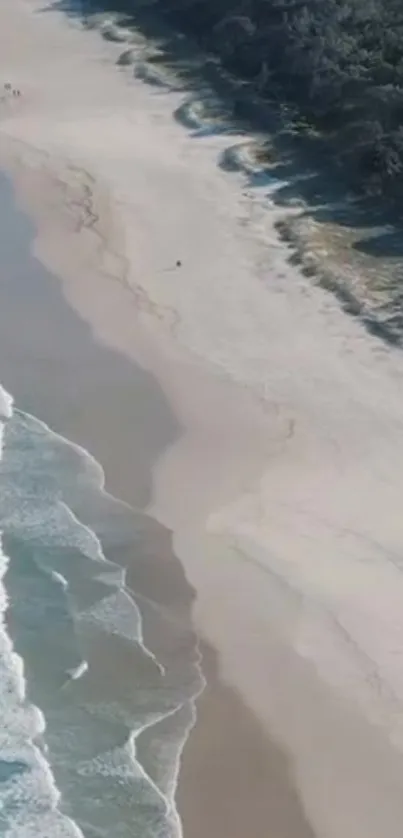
(339, 61)
(323, 79)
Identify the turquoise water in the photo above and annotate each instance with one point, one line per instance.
(96, 683)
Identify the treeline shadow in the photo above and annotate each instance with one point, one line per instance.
(300, 164)
(303, 163)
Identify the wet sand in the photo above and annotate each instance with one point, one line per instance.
(234, 781)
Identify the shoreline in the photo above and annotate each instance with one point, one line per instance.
(281, 493)
(47, 402)
(39, 371)
(235, 780)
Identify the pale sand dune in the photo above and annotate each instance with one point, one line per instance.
(284, 492)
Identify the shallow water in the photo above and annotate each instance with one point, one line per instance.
(79, 681)
(97, 680)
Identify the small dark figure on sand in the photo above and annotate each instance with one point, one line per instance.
(178, 263)
(7, 86)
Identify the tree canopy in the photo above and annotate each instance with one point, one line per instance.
(339, 61)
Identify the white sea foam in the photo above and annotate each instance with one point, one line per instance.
(6, 404)
(90, 544)
(122, 763)
(119, 614)
(28, 797)
(122, 616)
(55, 523)
(78, 671)
(57, 518)
(57, 577)
(6, 411)
(95, 472)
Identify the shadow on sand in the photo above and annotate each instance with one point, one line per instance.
(295, 161)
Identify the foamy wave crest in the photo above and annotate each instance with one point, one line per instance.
(119, 614)
(29, 797)
(50, 521)
(155, 785)
(42, 476)
(94, 471)
(6, 404)
(121, 765)
(60, 522)
(78, 671)
(6, 412)
(58, 577)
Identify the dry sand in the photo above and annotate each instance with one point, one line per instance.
(284, 490)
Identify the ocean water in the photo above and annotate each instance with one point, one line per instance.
(97, 684)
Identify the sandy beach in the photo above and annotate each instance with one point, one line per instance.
(255, 426)
(231, 769)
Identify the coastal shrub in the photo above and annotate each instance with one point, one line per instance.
(339, 61)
